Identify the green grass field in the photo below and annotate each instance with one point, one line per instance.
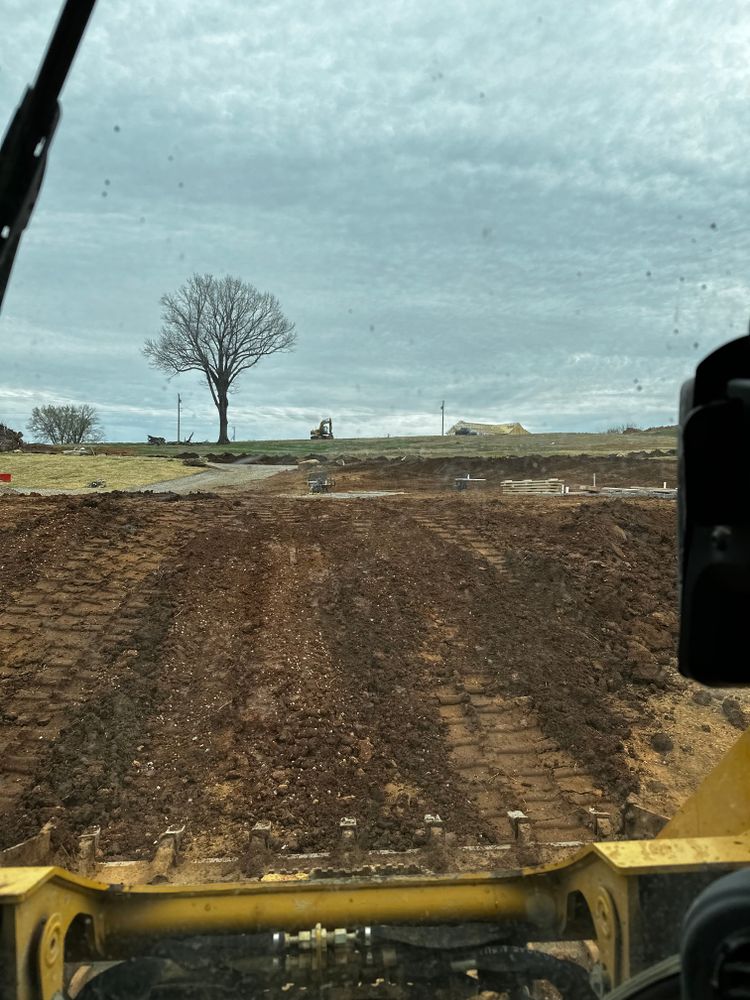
(73, 472)
(496, 446)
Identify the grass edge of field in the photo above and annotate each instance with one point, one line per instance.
(33, 470)
(490, 446)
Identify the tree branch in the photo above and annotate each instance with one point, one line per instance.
(221, 327)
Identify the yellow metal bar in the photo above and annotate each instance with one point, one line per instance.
(291, 907)
(643, 857)
(39, 904)
(721, 805)
(226, 907)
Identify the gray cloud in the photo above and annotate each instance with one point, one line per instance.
(513, 207)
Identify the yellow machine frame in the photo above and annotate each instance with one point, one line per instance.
(605, 893)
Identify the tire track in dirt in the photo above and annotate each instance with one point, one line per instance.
(577, 631)
(247, 718)
(377, 622)
(294, 741)
(497, 743)
(28, 541)
(192, 756)
(65, 639)
(451, 533)
(302, 662)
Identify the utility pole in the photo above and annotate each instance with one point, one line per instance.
(442, 419)
(233, 431)
(179, 404)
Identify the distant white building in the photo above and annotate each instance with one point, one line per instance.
(486, 429)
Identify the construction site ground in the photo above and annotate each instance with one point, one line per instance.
(215, 661)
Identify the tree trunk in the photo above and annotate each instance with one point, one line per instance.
(222, 402)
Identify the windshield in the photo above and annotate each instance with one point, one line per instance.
(338, 436)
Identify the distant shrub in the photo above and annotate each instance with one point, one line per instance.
(66, 424)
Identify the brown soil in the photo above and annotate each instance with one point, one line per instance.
(219, 661)
(432, 474)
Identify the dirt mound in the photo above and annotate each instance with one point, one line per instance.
(575, 471)
(221, 457)
(221, 661)
(269, 459)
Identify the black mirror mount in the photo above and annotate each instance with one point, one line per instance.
(714, 518)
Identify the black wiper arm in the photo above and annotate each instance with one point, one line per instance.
(23, 154)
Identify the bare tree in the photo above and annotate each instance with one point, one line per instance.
(221, 327)
(65, 424)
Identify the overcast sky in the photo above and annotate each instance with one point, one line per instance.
(535, 210)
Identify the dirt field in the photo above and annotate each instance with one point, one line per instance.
(223, 660)
(439, 474)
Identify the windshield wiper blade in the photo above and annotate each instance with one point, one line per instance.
(23, 154)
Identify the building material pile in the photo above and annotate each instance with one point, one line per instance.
(484, 429)
(545, 487)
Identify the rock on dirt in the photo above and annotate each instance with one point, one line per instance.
(661, 742)
(734, 713)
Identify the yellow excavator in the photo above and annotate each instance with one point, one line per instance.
(323, 432)
(651, 918)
